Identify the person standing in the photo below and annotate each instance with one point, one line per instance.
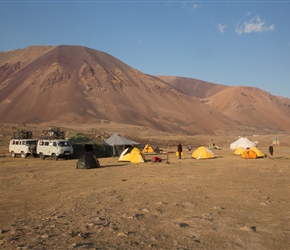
(189, 148)
(179, 150)
(271, 150)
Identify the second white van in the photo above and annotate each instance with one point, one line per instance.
(54, 149)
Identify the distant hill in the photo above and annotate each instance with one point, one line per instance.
(253, 107)
(78, 85)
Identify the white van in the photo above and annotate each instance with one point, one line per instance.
(54, 148)
(22, 147)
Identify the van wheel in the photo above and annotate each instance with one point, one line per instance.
(13, 154)
(41, 156)
(54, 157)
(23, 155)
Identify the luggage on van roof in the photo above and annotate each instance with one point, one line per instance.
(54, 133)
(22, 134)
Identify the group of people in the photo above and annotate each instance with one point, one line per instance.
(179, 150)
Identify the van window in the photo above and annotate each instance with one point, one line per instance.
(54, 144)
(46, 143)
(64, 144)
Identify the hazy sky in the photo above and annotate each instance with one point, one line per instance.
(236, 43)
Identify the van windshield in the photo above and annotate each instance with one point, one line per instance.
(64, 144)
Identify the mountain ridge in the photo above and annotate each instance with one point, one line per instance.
(75, 84)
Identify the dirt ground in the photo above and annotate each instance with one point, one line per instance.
(223, 203)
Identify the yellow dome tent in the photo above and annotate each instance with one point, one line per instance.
(203, 153)
(259, 153)
(133, 155)
(150, 149)
(239, 151)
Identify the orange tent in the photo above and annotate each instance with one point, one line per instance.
(249, 154)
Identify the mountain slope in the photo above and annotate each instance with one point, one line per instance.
(252, 106)
(255, 108)
(193, 87)
(74, 84)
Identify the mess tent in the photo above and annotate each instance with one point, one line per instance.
(133, 155)
(242, 142)
(119, 143)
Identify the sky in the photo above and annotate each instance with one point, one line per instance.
(235, 43)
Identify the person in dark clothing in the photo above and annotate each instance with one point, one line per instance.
(179, 150)
(271, 150)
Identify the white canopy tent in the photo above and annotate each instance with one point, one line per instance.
(242, 142)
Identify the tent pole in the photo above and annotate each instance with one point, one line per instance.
(167, 162)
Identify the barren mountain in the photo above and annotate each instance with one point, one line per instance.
(75, 85)
(193, 87)
(253, 107)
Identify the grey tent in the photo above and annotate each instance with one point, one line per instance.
(120, 143)
(87, 160)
